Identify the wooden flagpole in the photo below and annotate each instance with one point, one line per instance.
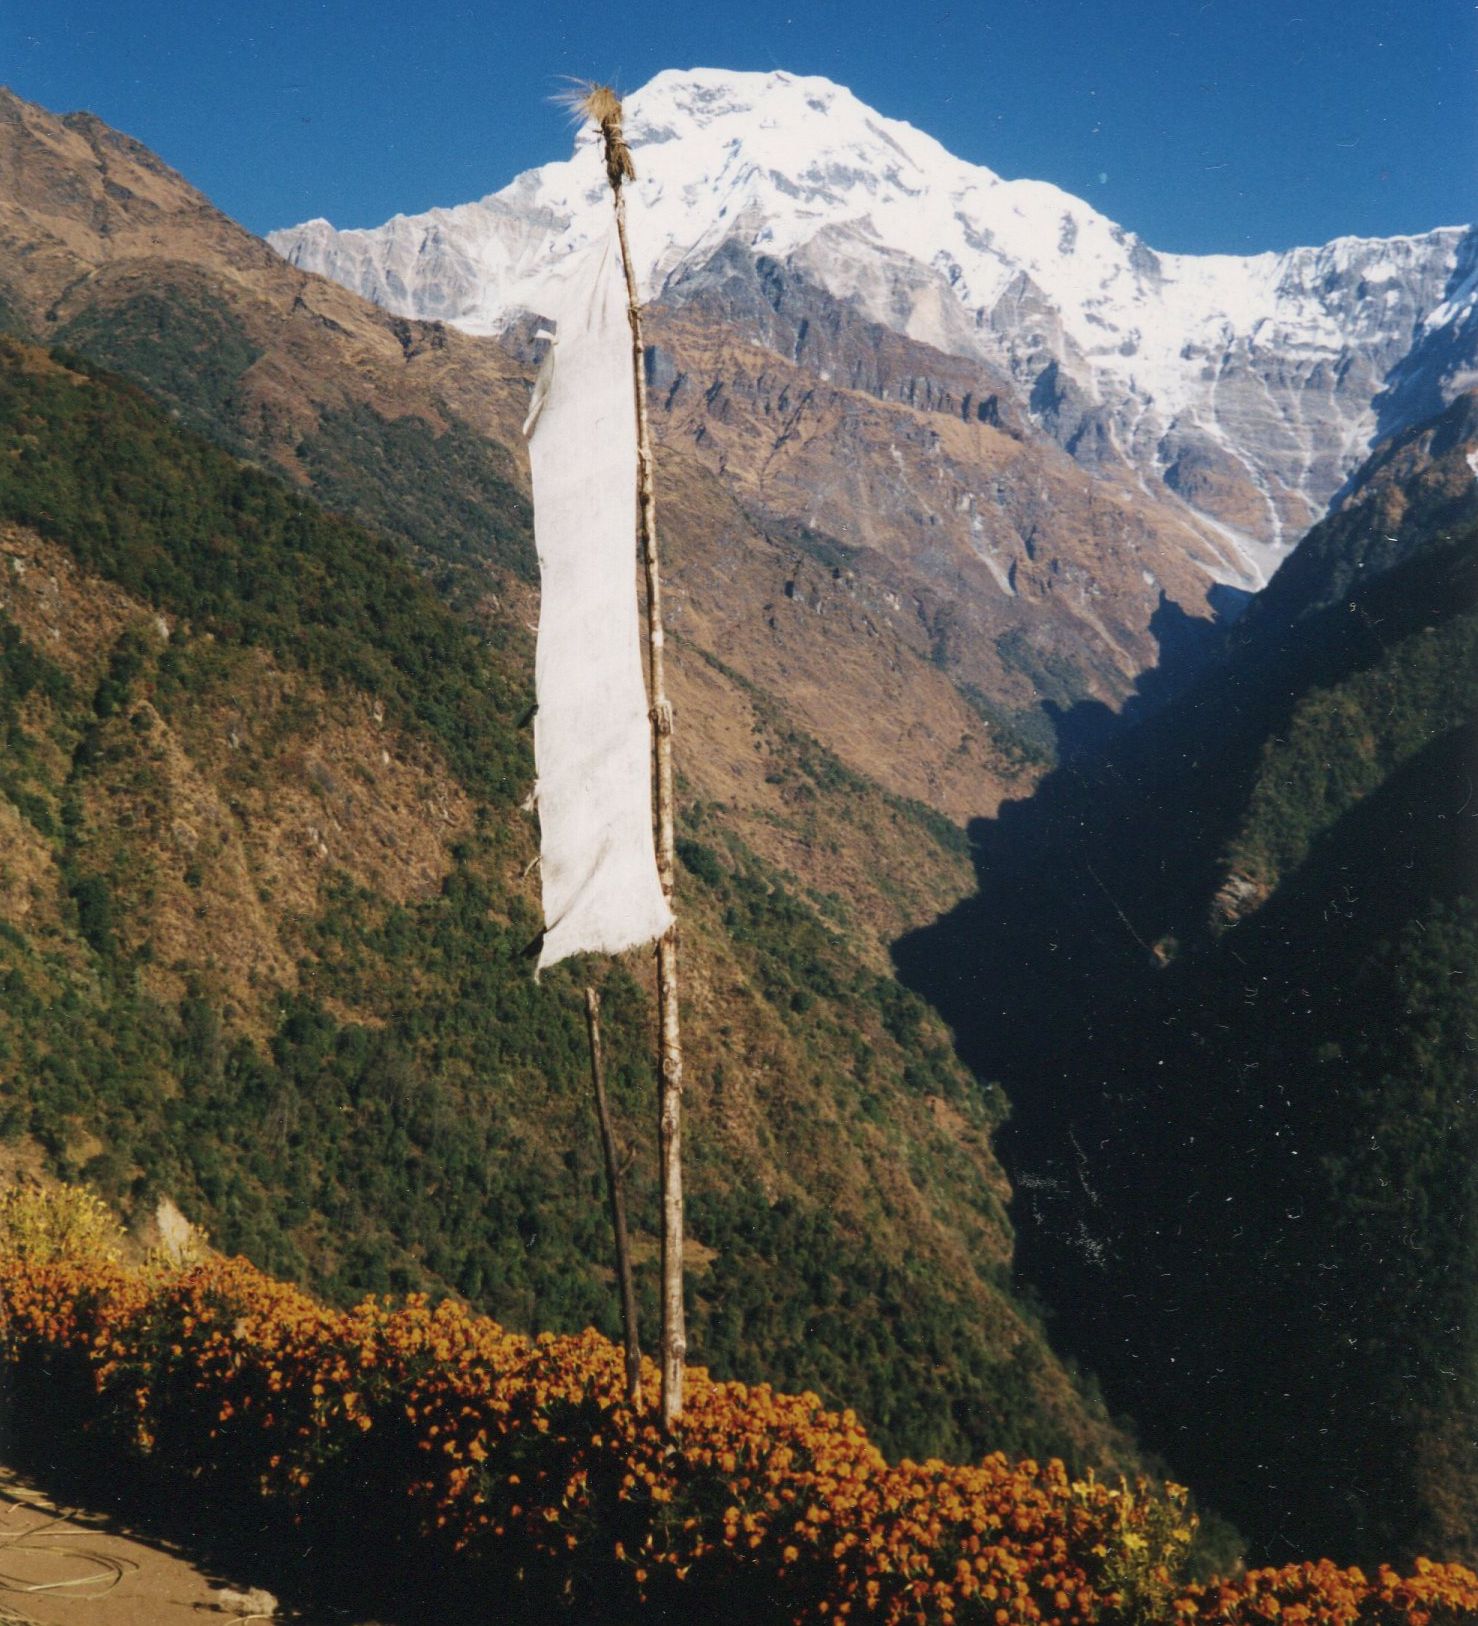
(604, 107)
(618, 1203)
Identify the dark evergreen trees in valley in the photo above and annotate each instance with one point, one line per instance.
(1224, 972)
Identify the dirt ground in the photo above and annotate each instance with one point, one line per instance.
(62, 1566)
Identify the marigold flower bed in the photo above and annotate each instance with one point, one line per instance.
(486, 1454)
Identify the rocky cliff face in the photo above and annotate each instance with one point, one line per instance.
(1248, 387)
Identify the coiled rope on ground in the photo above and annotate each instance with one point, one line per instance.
(51, 1537)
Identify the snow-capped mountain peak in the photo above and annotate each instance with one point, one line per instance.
(1251, 385)
(775, 160)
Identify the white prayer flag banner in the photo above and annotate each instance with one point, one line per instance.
(592, 732)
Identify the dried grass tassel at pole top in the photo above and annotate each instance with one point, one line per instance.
(600, 104)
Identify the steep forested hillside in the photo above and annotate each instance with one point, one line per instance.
(264, 913)
(1224, 975)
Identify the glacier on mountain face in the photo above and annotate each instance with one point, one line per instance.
(1251, 386)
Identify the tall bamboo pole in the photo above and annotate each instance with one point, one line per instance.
(618, 1203)
(603, 106)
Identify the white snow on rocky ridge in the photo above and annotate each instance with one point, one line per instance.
(1252, 385)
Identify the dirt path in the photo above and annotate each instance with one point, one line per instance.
(60, 1566)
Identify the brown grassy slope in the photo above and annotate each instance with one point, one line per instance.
(222, 826)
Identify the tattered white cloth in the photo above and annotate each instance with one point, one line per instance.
(592, 733)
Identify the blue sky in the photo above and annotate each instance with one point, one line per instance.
(1232, 125)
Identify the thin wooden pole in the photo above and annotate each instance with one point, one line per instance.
(618, 1203)
(606, 110)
